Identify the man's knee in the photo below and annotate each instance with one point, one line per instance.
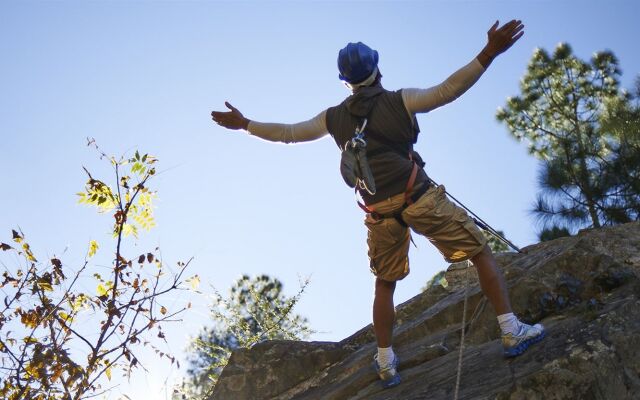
(483, 256)
(383, 286)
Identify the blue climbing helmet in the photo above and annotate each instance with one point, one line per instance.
(356, 62)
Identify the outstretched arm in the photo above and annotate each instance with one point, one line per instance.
(499, 40)
(306, 131)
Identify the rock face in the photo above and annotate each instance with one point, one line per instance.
(584, 289)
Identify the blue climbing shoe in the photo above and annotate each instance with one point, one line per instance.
(388, 375)
(514, 345)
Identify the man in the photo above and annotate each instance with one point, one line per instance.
(405, 197)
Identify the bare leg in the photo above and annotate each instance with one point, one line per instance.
(384, 312)
(491, 281)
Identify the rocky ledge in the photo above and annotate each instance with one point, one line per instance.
(584, 289)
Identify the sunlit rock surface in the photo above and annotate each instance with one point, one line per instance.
(584, 289)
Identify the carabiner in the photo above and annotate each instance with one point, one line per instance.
(358, 139)
(359, 142)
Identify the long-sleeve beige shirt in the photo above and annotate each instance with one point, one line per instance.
(415, 101)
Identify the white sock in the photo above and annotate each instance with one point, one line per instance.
(509, 323)
(385, 356)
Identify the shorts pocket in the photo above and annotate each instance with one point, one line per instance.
(470, 226)
(426, 202)
(386, 232)
(431, 213)
(388, 245)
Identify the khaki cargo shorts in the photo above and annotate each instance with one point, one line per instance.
(434, 216)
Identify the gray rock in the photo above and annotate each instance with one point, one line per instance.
(584, 289)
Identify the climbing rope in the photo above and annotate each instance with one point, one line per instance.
(480, 222)
(464, 321)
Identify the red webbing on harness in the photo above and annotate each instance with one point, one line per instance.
(412, 180)
(407, 192)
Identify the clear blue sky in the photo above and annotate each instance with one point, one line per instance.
(145, 75)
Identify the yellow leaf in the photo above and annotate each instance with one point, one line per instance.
(128, 229)
(108, 373)
(29, 319)
(43, 284)
(78, 303)
(443, 282)
(93, 247)
(101, 290)
(32, 370)
(64, 315)
(194, 281)
(28, 253)
(163, 310)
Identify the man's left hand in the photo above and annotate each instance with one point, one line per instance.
(232, 119)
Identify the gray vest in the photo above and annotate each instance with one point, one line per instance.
(396, 131)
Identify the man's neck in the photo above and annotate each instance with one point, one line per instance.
(360, 88)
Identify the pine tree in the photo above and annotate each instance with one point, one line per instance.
(255, 310)
(578, 122)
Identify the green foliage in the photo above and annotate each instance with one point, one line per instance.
(553, 233)
(58, 338)
(133, 202)
(496, 245)
(437, 280)
(584, 129)
(255, 310)
(622, 120)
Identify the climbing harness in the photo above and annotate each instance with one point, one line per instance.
(410, 197)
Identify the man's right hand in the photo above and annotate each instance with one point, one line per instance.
(501, 38)
(231, 119)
